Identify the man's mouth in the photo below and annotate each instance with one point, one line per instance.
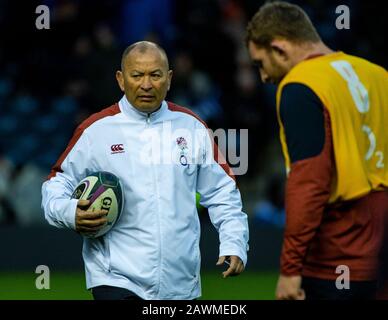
(146, 97)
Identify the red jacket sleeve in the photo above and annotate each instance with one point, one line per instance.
(307, 193)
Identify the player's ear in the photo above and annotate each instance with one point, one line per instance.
(120, 79)
(280, 48)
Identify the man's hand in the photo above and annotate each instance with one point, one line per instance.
(236, 266)
(88, 222)
(289, 288)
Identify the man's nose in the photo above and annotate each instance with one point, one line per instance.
(146, 84)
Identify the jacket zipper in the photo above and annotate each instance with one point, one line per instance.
(154, 176)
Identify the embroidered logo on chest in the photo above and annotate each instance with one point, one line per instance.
(117, 148)
(182, 145)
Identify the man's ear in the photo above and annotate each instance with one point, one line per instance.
(120, 80)
(281, 48)
(169, 79)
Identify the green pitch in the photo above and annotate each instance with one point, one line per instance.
(71, 286)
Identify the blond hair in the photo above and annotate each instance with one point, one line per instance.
(280, 20)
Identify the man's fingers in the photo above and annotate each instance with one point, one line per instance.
(220, 260)
(89, 221)
(301, 295)
(240, 268)
(240, 265)
(232, 271)
(278, 296)
(289, 288)
(93, 223)
(235, 264)
(232, 268)
(291, 295)
(87, 229)
(285, 296)
(91, 214)
(83, 203)
(228, 272)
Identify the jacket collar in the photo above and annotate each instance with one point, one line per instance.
(129, 110)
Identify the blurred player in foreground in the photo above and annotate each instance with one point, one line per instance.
(153, 250)
(333, 113)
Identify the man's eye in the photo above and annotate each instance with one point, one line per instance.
(136, 76)
(156, 76)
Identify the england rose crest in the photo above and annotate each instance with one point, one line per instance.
(182, 144)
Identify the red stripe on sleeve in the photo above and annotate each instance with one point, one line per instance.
(110, 111)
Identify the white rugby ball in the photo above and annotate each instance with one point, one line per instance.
(104, 192)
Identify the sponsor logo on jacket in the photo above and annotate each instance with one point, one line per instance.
(117, 148)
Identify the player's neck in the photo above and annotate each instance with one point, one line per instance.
(314, 50)
(301, 52)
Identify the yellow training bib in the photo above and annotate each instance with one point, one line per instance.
(355, 92)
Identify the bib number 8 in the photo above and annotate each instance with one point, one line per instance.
(361, 99)
(357, 89)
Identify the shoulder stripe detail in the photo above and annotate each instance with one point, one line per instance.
(107, 112)
(218, 156)
(175, 107)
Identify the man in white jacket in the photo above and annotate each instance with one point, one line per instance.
(166, 156)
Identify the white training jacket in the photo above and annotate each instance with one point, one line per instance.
(162, 160)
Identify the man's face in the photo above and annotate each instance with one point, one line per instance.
(272, 68)
(145, 79)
